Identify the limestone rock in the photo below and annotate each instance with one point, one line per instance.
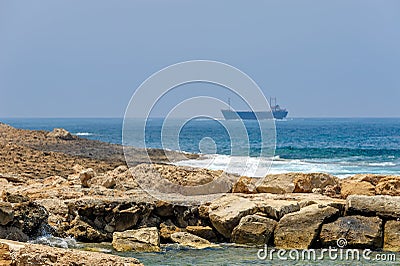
(85, 176)
(140, 240)
(388, 186)
(13, 233)
(254, 230)
(226, 212)
(82, 231)
(277, 184)
(244, 185)
(350, 187)
(109, 182)
(190, 240)
(305, 183)
(300, 229)
(6, 213)
(167, 229)
(60, 133)
(5, 256)
(382, 206)
(205, 232)
(359, 232)
(392, 236)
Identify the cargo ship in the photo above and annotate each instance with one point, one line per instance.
(277, 113)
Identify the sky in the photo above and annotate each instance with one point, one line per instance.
(72, 58)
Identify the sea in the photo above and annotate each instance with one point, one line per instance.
(338, 146)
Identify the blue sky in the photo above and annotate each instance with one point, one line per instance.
(72, 58)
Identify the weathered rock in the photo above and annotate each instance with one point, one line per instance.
(305, 183)
(205, 232)
(5, 256)
(277, 184)
(30, 217)
(244, 185)
(109, 182)
(85, 176)
(226, 212)
(61, 134)
(389, 185)
(300, 229)
(391, 238)
(382, 206)
(140, 240)
(359, 232)
(6, 213)
(13, 233)
(82, 231)
(254, 230)
(33, 254)
(126, 219)
(190, 240)
(350, 187)
(371, 178)
(167, 229)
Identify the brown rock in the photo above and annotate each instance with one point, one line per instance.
(244, 185)
(82, 231)
(371, 178)
(13, 233)
(382, 206)
(190, 240)
(109, 182)
(126, 219)
(85, 176)
(388, 186)
(358, 231)
(350, 187)
(300, 229)
(305, 183)
(277, 184)
(226, 212)
(167, 229)
(205, 232)
(61, 134)
(5, 256)
(140, 240)
(253, 230)
(6, 213)
(392, 236)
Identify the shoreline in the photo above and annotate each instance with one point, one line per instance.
(67, 186)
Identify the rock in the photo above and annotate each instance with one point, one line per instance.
(34, 254)
(167, 229)
(5, 256)
(140, 240)
(30, 217)
(13, 233)
(382, 206)
(205, 232)
(277, 184)
(6, 213)
(373, 179)
(126, 219)
(82, 231)
(276, 209)
(226, 212)
(359, 231)
(14, 198)
(190, 240)
(254, 230)
(164, 209)
(244, 185)
(350, 187)
(299, 230)
(305, 183)
(388, 186)
(60, 133)
(392, 236)
(109, 182)
(85, 176)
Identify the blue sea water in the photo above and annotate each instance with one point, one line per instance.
(340, 146)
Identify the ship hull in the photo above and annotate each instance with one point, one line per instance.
(248, 115)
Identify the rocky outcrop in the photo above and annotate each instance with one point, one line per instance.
(389, 185)
(226, 212)
(15, 253)
(245, 185)
(86, 175)
(277, 184)
(392, 236)
(6, 213)
(140, 240)
(300, 229)
(60, 133)
(306, 183)
(253, 230)
(358, 231)
(190, 240)
(350, 187)
(167, 229)
(382, 206)
(205, 232)
(82, 231)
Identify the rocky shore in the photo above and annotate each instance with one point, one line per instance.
(59, 184)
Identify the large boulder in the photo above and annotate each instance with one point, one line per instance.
(226, 212)
(140, 240)
(300, 229)
(60, 133)
(277, 184)
(83, 231)
(391, 238)
(244, 185)
(86, 175)
(189, 240)
(358, 231)
(382, 206)
(167, 229)
(5, 256)
(253, 230)
(306, 183)
(351, 187)
(6, 213)
(205, 232)
(389, 185)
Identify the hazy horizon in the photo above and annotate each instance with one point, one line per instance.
(336, 59)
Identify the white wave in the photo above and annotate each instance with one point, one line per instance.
(84, 134)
